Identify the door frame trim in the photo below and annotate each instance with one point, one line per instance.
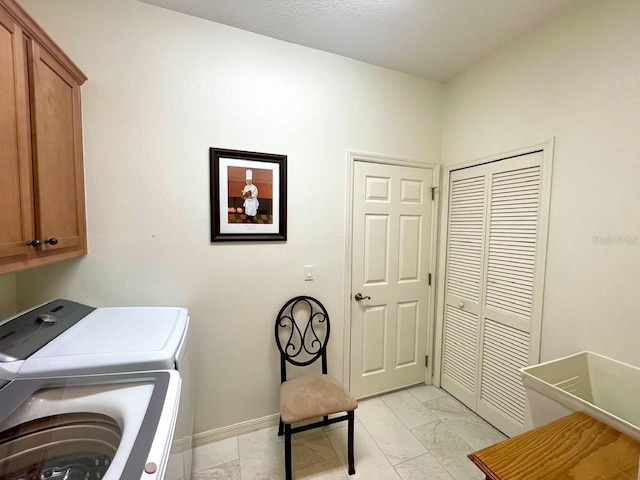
(352, 157)
(547, 149)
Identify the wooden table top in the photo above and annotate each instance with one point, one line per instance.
(574, 447)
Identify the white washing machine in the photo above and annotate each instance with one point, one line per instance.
(95, 393)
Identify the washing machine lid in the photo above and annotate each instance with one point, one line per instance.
(112, 340)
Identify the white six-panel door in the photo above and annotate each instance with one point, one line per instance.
(493, 292)
(391, 253)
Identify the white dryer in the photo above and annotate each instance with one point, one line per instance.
(95, 393)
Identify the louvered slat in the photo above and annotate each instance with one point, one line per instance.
(460, 347)
(491, 267)
(512, 241)
(505, 351)
(466, 217)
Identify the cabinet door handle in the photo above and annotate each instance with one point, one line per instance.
(34, 243)
(51, 241)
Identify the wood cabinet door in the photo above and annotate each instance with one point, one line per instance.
(57, 154)
(16, 207)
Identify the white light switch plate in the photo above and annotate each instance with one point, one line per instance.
(308, 273)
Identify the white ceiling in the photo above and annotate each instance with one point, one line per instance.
(435, 39)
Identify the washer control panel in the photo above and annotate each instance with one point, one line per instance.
(25, 334)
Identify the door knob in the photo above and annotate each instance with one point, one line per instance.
(359, 297)
(51, 241)
(461, 304)
(34, 243)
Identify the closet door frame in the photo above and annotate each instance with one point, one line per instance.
(547, 149)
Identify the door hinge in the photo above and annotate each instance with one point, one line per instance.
(429, 279)
(433, 193)
(426, 361)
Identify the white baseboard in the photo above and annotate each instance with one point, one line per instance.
(211, 436)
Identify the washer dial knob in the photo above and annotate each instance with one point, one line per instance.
(47, 318)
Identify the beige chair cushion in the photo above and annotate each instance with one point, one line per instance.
(313, 396)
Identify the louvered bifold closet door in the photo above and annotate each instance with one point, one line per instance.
(493, 286)
(465, 259)
(511, 247)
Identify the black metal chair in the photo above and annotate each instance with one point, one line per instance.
(302, 332)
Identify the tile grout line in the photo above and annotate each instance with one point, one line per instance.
(376, 443)
(438, 419)
(442, 421)
(335, 453)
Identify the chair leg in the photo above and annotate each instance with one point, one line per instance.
(287, 453)
(352, 466)
(280, 428)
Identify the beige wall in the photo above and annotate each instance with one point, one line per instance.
(162, 89)
(576, 79)
(8, 296)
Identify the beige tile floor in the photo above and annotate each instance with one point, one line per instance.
(418, 433)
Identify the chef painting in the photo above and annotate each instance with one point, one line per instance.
(250, 195)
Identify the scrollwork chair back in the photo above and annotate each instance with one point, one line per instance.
(302, 332)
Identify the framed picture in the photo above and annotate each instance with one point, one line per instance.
(248, 196)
